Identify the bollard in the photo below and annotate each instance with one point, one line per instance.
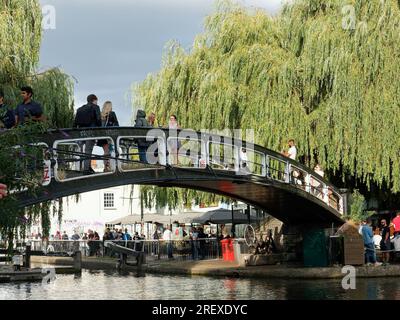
(28, 256)
(78, 261)
(140, 260)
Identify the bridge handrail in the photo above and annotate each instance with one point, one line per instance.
(115, 132)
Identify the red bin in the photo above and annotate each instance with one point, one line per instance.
(227, 250)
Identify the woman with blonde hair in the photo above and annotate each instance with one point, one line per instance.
(108, 119)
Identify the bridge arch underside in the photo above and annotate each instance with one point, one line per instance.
(291, 205)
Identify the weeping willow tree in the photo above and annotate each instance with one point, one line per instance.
(176, 197)
(20, 38)
(323, 72)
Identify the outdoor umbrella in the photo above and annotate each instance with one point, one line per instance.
(224, 216)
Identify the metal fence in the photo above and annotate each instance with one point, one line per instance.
(202, 249)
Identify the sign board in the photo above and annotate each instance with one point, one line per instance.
(46, 172)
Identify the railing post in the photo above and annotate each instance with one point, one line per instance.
(264, 167)
(287, 172)
(267, 172)
(325, 194)
(205, 152)
(162, 156)
(28, 255)
(343, 201)
(307, 181)
(238, 166)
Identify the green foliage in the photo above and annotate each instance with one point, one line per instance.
(298, 75)
(20, 37)
(20, 169)
(358, 207)
(175, 197)
(55, 91)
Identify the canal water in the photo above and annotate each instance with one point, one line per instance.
(109, 285)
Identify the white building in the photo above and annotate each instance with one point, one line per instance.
(94, 209)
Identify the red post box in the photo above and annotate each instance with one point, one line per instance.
(227, 250)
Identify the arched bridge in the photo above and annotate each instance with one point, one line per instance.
(202, 161)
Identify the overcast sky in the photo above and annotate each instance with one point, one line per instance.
(109, 44)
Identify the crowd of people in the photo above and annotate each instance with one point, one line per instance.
(87, 116)
(384, 237)
(90, 116)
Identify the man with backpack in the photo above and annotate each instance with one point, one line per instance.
(88, 116)
(7, 115)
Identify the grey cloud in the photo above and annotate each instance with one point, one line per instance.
(108, 45)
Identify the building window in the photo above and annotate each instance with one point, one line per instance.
(109, 201)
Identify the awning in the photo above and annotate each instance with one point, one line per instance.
(184, 217)
(224, 216)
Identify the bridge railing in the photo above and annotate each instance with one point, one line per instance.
(71, 154)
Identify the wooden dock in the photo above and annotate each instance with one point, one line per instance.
(23, 275)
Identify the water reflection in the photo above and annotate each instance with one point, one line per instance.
(230, 287)
(130, 285)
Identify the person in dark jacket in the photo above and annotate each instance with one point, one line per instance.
(88, 116)
(7, 115)
(202, 243)
(108, 119)
(28, 109)
(141, 122)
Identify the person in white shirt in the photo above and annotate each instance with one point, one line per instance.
(243, 161)
(292, 152)
(167, 236)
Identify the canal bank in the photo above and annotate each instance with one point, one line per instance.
(220, 268)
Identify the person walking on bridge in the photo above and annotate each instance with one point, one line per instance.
(292, 152)
(152, 119)
(108, 119)
(142, 143)
(7, 116)
(28, 109)
(88, 116)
